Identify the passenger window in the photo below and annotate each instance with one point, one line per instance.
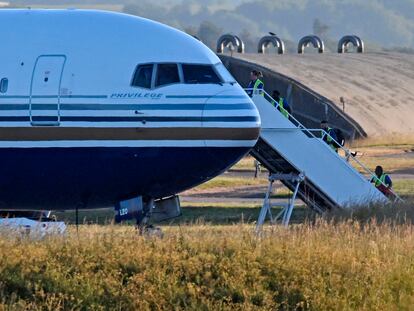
(167, 74)
(199, 74)
(143, 76)
(4, 84)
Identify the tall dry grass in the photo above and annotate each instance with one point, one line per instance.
(324, 266)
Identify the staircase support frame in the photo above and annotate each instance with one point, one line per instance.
(286, 212)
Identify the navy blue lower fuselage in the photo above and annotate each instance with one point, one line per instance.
(66, 178)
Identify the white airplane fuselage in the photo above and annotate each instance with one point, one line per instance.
(99, 107)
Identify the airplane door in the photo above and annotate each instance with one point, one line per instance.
(44, 99)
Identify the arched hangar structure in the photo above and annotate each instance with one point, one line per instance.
(240, 49)
(227, 40)
(274, 40)
(314, 40)
(355, 40)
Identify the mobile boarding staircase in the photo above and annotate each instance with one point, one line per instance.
(305, 164)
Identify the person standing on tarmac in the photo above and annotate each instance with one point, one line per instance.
(281, 103)
(331, 137)
(383, 182)
(255, 84)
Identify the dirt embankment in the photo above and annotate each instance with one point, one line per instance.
(378, 88)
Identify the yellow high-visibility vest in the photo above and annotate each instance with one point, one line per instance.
(381, 180)
(281, 107)
(329, 139)
(256, 86)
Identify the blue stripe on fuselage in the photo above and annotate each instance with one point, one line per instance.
(206, 96)
(245, 106)
(106, 96)
(100, 107)
(51, 96)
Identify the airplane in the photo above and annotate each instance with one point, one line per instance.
(103, 109)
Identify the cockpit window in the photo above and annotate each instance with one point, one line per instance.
(194, 74)
(224, 73)
(143, 76)
(167, 74)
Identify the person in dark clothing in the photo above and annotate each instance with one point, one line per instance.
(330, 138)
(255, 84)
(281, 103)
(382, 181)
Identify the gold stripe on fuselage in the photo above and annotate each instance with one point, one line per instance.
(119, 133)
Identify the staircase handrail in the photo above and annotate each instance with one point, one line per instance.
(324, 133)
(348, 155)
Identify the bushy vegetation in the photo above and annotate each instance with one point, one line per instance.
(380, 23)
(324, 266)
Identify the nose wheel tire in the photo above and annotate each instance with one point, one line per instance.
(150, 231)
(143, 226)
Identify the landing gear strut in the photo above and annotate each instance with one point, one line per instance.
(143, 218)
(143, 209)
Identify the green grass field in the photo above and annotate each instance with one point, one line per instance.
(218, 213)
(210, 259)
(324, 266)
(192, 213)
(226, 181)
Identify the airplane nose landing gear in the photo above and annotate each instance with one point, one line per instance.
(150, 231)
(145, 210)
(143, 226)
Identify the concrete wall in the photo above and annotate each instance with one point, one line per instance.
(307, 106)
